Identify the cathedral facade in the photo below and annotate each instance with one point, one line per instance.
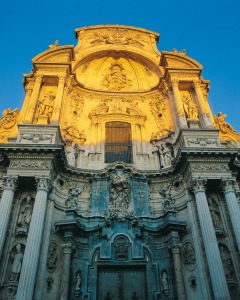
(116, 180)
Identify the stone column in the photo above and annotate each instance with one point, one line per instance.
(6, 206)
(179, 104)
(201, 101)
(67, 251)
(99, 137)
(233, 208)
(33, 100)
(176, 252)
(25, 104)
(219, 284)
(34, 239)
(58, 100)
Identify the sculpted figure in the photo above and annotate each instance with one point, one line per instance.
(165, 156)
(221, 124)
(25, 214)
(72, 199)
(78, 280)
(227, 262)
(168, 200)
(45, 104)
(71, 154)
(17, 263)
(116, 79)
(165, 280)
(74, 135)
(191, 109)
(9, 118)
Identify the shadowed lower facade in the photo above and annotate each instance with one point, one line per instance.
(117, 181)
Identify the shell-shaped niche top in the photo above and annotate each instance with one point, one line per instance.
(117, 58)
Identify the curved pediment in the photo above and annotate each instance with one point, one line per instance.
(178, 60)
(56, 54)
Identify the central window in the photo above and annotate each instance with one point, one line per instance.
(118, 142)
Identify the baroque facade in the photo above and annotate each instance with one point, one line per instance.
(117, 181)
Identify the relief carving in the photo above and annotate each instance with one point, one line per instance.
(37, 137)
(214, 211)
(76, 104)
(227, 262)
(188, 256)
(9, 118)
(119, 202)
(121, 246)
(116, 79)
(30, 164)
(202, 142)
(52, 257)
(72, 199)
(72, 134)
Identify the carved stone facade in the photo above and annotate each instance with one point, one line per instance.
(116, 180)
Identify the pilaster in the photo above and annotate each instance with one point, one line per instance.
(58, 101)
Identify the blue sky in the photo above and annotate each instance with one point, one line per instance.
(208, 30)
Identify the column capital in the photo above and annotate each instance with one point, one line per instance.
(196, 82)
(67, 247)
(228, 185)
(175, 248)
(38, 77)
(61, 79)
(175, 82)
(43, 183)
(198, 185)
(10, 182)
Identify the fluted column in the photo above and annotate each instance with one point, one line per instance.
(233, 208)
(58, 100)
(179, 104)
(215, 266)
(176, 252)
(34, 239)
(6, 206)
(201, 101)
(67, 251)
(33, 100)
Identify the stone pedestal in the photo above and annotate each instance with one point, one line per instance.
(5, 207)
(32, 250)
(233, 208)
(215, 266)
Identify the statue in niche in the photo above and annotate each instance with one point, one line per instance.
(119, 203)
(214, 212)
(9, 118)
(52, 257)
(227, 262)
(78, 280)
(190, 107)
(164, 283)
(166, 158)
(72, 199)
(121, 248)
(168, 200)
(116, 79)
(71, 153)
(25, 214)
(222, 125)
(45, 104)
(17, 263)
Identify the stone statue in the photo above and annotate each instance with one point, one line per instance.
(164, 283)
(168, 200)
(45, 104)
(116, 79)
(25, 214)
(191, 109)
(72, 199)
(9, 118)
(17, 263)
(71, 154)
(227, 262)
(222, 125)
(78, 280)
(166, 158)
(214, 212)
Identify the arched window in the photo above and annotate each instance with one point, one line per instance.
(118, 142)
